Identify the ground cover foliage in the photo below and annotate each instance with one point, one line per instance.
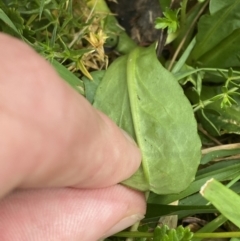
(182, 110)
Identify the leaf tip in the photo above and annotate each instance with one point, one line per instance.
(205, 186)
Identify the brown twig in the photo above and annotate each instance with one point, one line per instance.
(209, 136)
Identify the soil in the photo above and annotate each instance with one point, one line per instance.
(137, 17)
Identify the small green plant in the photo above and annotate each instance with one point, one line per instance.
(161, 233)
(229, 89)
(169, 21)
(66, 31)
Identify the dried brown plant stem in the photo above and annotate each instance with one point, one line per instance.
(200, 128)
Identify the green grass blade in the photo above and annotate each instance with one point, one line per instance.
(68, 76)
(184, 57)
(157, 210)
(220, 171)
(7, 20)
(41, 9)
(225, 200)
(211, 226)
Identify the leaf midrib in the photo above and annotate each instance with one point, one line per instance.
(132, 92)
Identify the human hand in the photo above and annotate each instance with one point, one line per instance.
(52, 139)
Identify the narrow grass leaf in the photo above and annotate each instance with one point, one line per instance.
(42, 2)
(90, 86)
(184, 57)
(225, 200)
(221, 171)
(157, 210)
(7, 20)
(211, 226)
(68, 76)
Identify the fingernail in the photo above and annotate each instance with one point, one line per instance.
(128, 137)
(122, 224)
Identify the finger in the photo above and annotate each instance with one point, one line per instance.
(50, 135)
(69, 214)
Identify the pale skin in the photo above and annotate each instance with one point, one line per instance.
(60, 159)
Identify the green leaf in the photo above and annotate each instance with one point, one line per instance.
(170, 21)
(225, 200)
(225, 54)
(164, 3)
(158, 210)
(8, 21)
(68, 76)
(216, 5)
(165, 234)
(181, 62)
(227, 119)
(221, 171)
(159, 233)
(212, 29)
(92, 85)
(145, 100)
(197, 199)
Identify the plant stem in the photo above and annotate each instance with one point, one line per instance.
(205, 103)
(184, 39)
(196, 235)
(183, 12)
(217, 235)
(136, 225)
(134, 228)
(200, 128)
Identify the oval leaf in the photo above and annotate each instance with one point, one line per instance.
(144, 99)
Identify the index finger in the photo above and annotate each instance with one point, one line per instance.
(50, 135)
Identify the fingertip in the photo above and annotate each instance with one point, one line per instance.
(123, 153)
